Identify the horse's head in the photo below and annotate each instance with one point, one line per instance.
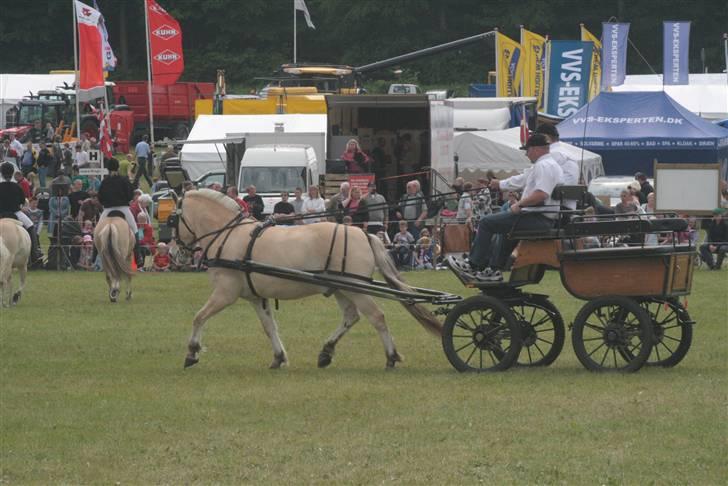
(200, 214)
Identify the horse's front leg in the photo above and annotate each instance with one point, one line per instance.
(262, 308)
(226, 291)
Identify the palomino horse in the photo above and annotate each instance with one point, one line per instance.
(114, 241)
(14, 253)
(203, 220)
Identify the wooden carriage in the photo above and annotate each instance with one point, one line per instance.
(632, 315)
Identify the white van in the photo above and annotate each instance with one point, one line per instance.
(273, 169)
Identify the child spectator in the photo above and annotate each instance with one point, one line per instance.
(425, 249)
(402, 252)
(86, 257)
(161, 259)
(147, 245)
(88, 227)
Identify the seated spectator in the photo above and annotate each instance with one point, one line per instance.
(402, 251)
(356, 159)
(283, 211)
(347, 221)
(627, 204)
(298, 203)
(86, 256)
(180, 260)
(255, 203)
(162, 259)
(313, 206)
(356, 207)
(424, 255)
(716, 239)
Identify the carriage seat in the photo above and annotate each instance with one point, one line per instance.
(580, 227)
(560, 193)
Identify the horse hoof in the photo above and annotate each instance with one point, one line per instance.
(190, 362)
(324, 359)
(128, 296)
(278, 361)
(393, 360)
(114, 295)
(16, 297)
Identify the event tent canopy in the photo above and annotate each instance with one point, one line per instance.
(15, 87)
(498, 150)
(199, 158)
(705, 95)
(633, 129)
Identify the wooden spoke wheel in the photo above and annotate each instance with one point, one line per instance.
(612, 334)
(542, 331)
(481, 334)
(672, 331)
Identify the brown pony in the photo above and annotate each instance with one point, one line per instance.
(114, 241)
(14, 253)
(203, 213)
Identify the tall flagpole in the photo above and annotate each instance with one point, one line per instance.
(149, 73)
(294, 32)
(75, 67)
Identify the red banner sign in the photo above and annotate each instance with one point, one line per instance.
(165, 42)
(361, 181)
(90, 59)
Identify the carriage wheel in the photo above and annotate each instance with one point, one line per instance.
(612, 334)
(542, 331)
(672, 331)
(481, 334)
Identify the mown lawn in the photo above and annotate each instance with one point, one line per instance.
(92, 392)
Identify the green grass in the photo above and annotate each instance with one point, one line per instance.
(92, 392)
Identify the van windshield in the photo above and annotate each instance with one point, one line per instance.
(272, 179)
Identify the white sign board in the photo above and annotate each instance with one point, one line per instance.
(95, 159)
(687, 188)
(96, 171)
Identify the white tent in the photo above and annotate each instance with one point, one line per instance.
(498, 150)
(484, 113)
(14, 87)
(706, 95)
(258, 129)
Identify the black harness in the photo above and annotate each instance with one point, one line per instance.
(247, 265)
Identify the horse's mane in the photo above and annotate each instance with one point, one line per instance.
(216, 197)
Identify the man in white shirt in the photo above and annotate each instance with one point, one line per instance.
(80, 158)
(569, 166)
(536, 206)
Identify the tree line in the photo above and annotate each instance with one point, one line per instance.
(251, 38)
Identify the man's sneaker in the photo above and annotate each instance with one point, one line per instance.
(489, 275)
(460, 264)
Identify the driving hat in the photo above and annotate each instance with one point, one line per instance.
(536, 140)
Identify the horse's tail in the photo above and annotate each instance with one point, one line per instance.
(115, 262)
(385, 264)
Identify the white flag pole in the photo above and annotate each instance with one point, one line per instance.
(149, 74)
(75, 67)
(294, 32)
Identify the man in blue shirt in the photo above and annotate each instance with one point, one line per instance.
(144, 161)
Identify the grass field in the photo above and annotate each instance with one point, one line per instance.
(92, 392)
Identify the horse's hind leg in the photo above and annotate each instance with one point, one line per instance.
(113, 288)
(22, 272)
(349, 317)
(225, 292)
(128, 287)
(371, 310)
(270, 326)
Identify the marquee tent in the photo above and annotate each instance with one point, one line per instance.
(498, 150)
(14, 87)
(630, 130)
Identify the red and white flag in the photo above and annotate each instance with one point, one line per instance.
(524, 126)
(165, 42)
(90, 58)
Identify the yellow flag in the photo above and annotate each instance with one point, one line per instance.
(534, 58)
(508, 65)
(595, 78)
